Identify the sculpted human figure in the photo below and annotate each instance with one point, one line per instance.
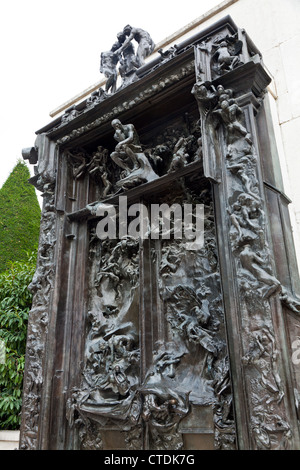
(116, 381)
(98, 165)
(180, 154)
(230, 113)
(128, 145)
(255, 265)
(79, 161)
(145, 44)
(108, 66)
(223, 57)
(204, 92)
(291, 301)
(223, 94)
(99, 158)
(129, 155)
(127, 56)
(96, 97)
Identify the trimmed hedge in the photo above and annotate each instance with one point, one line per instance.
(20, 217)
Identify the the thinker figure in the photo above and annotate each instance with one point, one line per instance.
(145, 44)
(128, 146)
(129, 155)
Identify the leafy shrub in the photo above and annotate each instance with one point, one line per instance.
(15, 303)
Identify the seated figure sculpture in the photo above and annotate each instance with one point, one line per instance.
(129, 155)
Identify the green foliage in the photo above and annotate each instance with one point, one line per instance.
(15, 303)
(20, 216)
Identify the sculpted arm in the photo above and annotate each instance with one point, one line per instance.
(125, 44)
(129, 139)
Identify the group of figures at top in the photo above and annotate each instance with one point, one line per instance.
(123, 53)
(224, 52)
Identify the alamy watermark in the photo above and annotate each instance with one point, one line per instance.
(157, 221)
(2, 352)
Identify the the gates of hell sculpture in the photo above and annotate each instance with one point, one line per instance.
(140, 342)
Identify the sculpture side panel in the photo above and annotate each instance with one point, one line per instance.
(265, 402)
(42, 286)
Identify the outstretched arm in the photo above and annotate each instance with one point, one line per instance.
(125, 44)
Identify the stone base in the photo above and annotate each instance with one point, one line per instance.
(9, 440)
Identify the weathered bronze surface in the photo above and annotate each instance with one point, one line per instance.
(143, 343)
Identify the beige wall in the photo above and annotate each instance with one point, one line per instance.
(9, 440)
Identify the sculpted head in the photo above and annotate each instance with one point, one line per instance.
(121, 36)
(116, 123)
(127, 29)
(224, 104)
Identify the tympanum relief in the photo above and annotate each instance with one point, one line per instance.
(131, 163)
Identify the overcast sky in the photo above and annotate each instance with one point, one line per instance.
(50, 52)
